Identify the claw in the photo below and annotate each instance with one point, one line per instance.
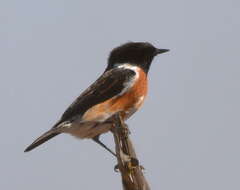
(116, 168)
(133, 163)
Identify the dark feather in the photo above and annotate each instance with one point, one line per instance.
(110, 84)
(42, 139)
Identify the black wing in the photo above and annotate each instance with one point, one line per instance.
(110, 84)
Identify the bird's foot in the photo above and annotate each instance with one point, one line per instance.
(116, 168)
(133, 163)
(130, 165)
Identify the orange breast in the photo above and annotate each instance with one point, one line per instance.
(130, 100)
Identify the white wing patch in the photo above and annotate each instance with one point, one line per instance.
(131, 82)
(131, 67)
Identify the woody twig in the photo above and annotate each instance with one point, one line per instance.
(128, 164)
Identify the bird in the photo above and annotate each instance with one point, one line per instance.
(121, 89)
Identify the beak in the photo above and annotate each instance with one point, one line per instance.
(159, 51)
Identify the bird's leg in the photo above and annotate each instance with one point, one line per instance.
(125, 130)
(96, 139)
(125, 153)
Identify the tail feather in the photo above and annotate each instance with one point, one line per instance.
(42, 139)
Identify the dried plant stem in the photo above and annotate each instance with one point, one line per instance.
(131, 171)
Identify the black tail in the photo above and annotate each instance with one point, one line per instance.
(42, 139)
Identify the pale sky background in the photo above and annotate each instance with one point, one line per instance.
(187, 135)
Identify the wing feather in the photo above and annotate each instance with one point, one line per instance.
(110, 84)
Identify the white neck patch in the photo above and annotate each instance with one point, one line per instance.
(131, 82)
(131, 67)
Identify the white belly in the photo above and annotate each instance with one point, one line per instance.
(88, 129)
(92, 128)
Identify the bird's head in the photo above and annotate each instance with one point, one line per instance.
(136, 53)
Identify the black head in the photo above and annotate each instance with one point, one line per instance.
(136, 53)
